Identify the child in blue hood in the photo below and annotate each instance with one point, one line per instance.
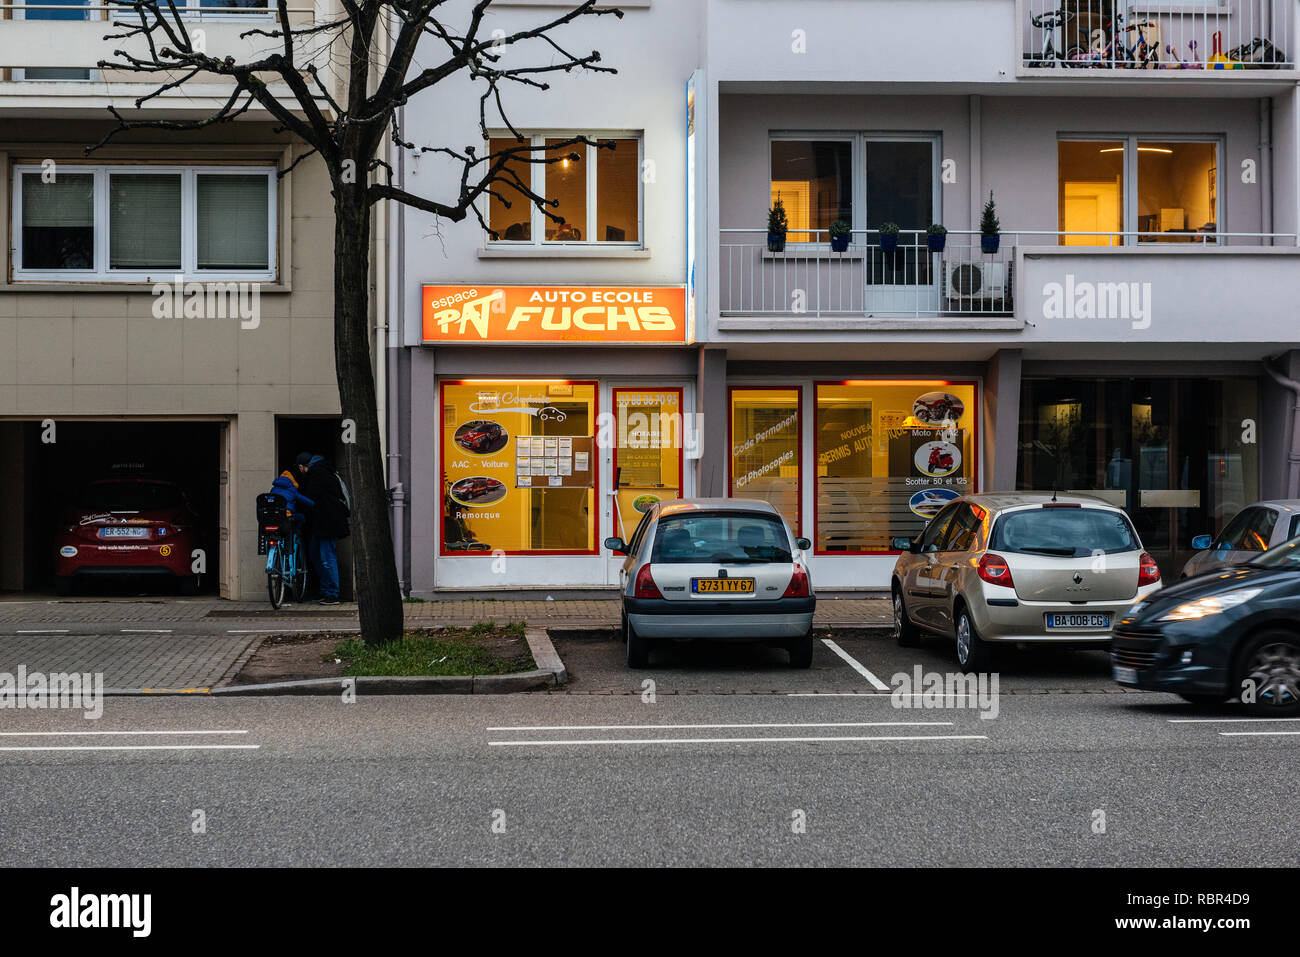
(286, 486)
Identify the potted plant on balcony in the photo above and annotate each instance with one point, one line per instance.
(888, 237)
(777, 226)
(936, 237)
(840, 233)
(990, 227)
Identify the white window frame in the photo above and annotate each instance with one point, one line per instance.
(189, 226)
(537, 220)
(1130, 143)
(858, 170)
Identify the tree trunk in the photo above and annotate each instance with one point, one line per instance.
(378, 593)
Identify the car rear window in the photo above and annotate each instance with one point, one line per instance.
(131, 496)
(730, 537)
(1068, 532)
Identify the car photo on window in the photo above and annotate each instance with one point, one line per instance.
(714, 568)
(1019, 568)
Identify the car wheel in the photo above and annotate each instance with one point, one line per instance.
(63, 585)
(973, 653)
(638, 648)
(801, 652)
(1269, 672)
(906, 633)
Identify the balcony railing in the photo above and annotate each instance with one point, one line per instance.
(1229, 35)
(967, 279)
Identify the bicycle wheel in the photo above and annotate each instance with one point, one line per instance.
(275, 582)
(299, 571)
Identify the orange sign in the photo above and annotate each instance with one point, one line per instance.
(613, 314)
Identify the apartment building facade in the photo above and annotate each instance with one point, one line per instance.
(1132, 332)
(166, 302)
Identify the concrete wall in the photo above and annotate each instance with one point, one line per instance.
(97, 350)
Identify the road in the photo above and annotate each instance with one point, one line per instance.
(585, 779)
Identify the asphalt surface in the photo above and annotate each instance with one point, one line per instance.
(576, 779)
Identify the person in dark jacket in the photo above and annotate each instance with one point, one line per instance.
(329, 522)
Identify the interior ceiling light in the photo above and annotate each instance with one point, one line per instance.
(1141, 149)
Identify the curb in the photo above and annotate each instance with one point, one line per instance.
(399, 685)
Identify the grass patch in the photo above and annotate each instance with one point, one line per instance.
(485, 648)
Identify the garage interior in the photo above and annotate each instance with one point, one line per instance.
(40, 480)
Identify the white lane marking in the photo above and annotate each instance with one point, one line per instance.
(43, 631)
(79, 734)
(931, 737)
(710, 727)
(856, 665)
(835, 694)
(146, 631)
(1224, 720)
(133, 747)
(1254, 734)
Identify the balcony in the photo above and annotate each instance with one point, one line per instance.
(1173, 39)
(966, 285)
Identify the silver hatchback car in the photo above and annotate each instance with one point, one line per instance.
(715, 568)
(1019, 567)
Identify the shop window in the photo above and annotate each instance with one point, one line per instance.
(765, 439)
(647, 452)
(1168, 450)
(890, 455)
(814, 181)
(596, 191)
(1177, 191)
(519, 467)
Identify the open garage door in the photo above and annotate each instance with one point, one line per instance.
(112, 507)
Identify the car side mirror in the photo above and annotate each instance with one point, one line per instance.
(802, 544)
(616, 545)
(1202, 542)
(903, 545)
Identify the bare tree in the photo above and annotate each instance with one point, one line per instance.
(338, 86)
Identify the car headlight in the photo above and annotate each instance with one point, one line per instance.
(1204, 607)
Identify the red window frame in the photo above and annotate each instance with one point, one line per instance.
(797, 389)
(681, 410)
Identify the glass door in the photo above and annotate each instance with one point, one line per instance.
(901, 189)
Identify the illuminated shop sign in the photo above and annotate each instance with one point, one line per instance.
(532, 314)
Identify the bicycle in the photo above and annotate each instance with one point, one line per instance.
(1049, 56)
(278, 539)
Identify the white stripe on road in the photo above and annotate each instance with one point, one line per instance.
(134, 747)
(1254, 734)
(817, 740)
(43, 631)
(835, 694)
(79, 734)
(710, 727)
(146, 631)
(856, 665)
(1223, 720)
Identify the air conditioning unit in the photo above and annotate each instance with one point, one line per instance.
(975, 280)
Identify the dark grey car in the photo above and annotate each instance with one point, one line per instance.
(1252, 531)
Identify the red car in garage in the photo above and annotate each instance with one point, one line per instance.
(128, 526)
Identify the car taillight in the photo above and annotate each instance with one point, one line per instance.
(994, 570)
(798, 587)
(1148, 571)
(645, 586)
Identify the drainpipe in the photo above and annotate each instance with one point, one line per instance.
(392, 351)
(1293, 456)
(1265, 167)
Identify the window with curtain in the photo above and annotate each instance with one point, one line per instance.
(232, 221)
(144, 221)
(58, 225)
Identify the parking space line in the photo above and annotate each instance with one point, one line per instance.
(856, 665)
(710, 727)
(132, 747)
(82, 734)
(808, 740)
(1254, 734)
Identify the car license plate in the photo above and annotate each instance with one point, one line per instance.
(1081, 622)
(128, 532)
(1126, 676)
(714, 586)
